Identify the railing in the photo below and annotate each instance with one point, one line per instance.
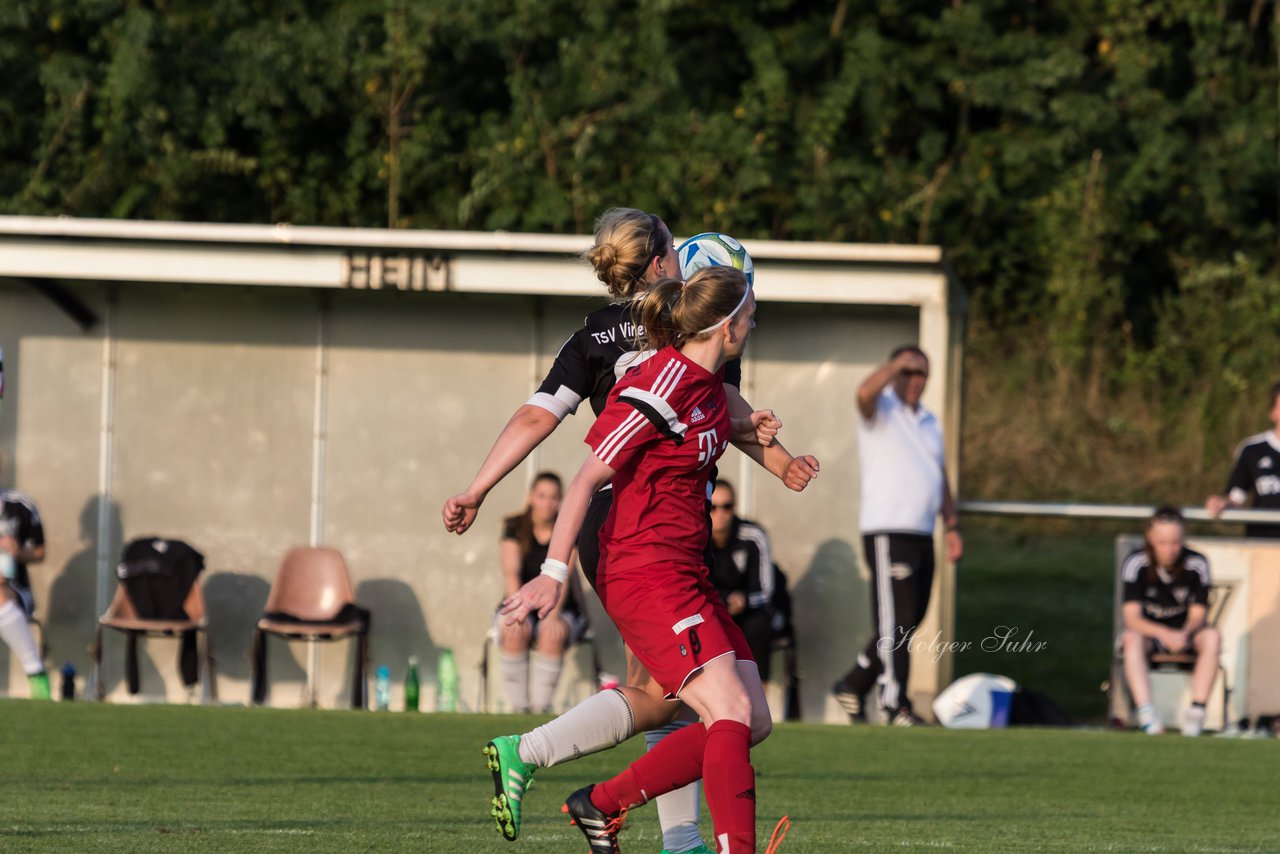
(1108, 511)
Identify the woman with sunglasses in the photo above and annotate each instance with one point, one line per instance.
(742, 570)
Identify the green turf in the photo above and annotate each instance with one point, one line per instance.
(93, 777)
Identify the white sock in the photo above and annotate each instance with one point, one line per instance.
(17, 634)
(546, 673)
(599, 722)
(678, 810)
(515, 677)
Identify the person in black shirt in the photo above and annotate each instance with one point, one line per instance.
(21, 544)
(1166, 596)
(1255, 474)
(524, 547)
(743, 573)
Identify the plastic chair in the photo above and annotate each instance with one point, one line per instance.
(312, 599)
(123, 616)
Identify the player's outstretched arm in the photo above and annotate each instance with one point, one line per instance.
(794, 472)
(528, 427)
(543, 592)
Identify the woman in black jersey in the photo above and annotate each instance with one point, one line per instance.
(632, 250)
(530, 686)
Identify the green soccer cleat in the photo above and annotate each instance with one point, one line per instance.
(38, 683)
(701, 849)
(512, 777)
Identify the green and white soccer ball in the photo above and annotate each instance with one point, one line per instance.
(711, 249)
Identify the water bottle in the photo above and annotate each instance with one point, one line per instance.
(8, 566)
(411, 686)
(447, 676)
(68, 681)
(382, 689)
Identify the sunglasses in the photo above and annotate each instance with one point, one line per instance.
(728, 506)
(915, 372)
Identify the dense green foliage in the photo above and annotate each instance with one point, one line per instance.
(1102, 174)
(94, 777)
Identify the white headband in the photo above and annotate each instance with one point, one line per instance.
(713, 327)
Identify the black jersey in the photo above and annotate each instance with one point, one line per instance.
(593, 359)
(20, 519)
(1256, 473)
(1165, 597)
(744, 565)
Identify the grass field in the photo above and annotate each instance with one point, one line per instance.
(1055, 587)
(93, 777)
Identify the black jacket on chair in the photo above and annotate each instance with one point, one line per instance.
(157, 573)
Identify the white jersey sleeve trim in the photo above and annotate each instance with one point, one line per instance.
(1133, 564)
(1200, 566)
(561, 404)
(755, 534)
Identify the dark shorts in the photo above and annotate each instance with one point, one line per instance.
(672, 618)
(1153, 646)
(589, 534)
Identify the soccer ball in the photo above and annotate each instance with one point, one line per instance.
(711, 249)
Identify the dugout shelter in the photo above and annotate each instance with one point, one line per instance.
(254, 388)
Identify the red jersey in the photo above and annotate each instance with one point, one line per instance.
(664, 427)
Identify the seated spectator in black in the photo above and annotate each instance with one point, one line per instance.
(524, 547)
(1166, 596)
(743, 573)
(1255, 475)
(21, 544)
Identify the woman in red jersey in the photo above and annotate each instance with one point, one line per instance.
(665, 425)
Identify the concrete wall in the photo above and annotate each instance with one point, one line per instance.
(248, 420)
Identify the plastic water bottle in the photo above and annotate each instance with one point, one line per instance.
(382, 689)
(8, 566)
(447, 676)
(68, 681)
(411, 686)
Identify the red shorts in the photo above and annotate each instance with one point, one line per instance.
(673, 620)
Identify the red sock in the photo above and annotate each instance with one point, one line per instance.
(730, 784)
(675, 762)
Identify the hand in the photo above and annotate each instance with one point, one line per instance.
(766, 426)
(759, 428)
(1215, 504)
(799, 472)
(1175, 640)
(955, 546)
(460, 511)
(737, 603)
(539, 596)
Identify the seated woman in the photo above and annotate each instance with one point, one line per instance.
(742, 571)
(524, 547)
(1166, 595)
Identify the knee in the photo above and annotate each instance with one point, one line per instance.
(1209, 640)
(1132, 640)
(515, 639)
(761, 725)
